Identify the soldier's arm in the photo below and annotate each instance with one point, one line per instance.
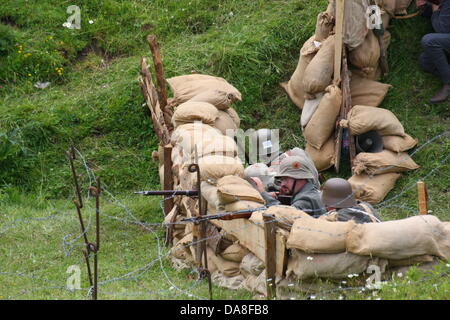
(270, 201)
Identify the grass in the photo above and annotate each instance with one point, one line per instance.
(94, 102)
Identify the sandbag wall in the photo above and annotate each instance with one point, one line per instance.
(312, 90)
(202, 115)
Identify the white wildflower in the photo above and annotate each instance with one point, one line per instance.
(91, 21)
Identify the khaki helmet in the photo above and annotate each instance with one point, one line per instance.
(338, 193)
(293, 167)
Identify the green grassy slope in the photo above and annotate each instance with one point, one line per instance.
(94, 101)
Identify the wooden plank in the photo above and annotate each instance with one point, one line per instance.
(423, 197)
(270, 254)
(252, 237)
(339, 40)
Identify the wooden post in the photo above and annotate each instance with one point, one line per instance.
(168, 185)
(339, 40)
(423, 197)
(161, 81)
(270, 237)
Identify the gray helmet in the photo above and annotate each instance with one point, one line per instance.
(267, 143)
(338, 193)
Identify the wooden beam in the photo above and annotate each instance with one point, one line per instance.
(270, 254)
(423, 197)
(339, 40)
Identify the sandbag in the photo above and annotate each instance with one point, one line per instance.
(294, 88)
(286, 215)
(234, 115)
(382, 162)
(319, 72)
(232, 283)
(188, 86)
(256, 284)
(251, 264)
(399, 144)
(324, 25)
(219, 145)
(410, 261)
(388, 6)
(367, 55)
(181, 249)
(232, 188)
(227, 268)
(225, 123)
(386, 19)
(235, 253)
(401, 7)
(319, 236)
(309, 108)
(323, 122)
(216, 167)
(242, 205)
(323, 158)
(373, 189)
(189, 112)
(324, 265)
(168, 219)
(401, 239)
(188, 135)
(362, 119)
(366, 92)
(355, 24)
(209, 192)
(220, 99)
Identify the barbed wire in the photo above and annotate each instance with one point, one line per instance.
(70, 243)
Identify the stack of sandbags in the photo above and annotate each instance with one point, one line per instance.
(201, 92)
(386, 164)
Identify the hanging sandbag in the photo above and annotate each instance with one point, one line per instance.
(319, 72)
(323, 122)
(324, 157)
(294, 88)
(324, 25)
(366, 56)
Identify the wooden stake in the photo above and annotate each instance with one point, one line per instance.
(161, 81)
(270, 237)
(423, 197)
(339, 40)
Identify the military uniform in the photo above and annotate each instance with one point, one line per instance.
(307, 200)
(362, 212)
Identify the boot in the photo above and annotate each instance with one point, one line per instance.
(442, 95)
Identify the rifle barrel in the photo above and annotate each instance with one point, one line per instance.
(168, 193)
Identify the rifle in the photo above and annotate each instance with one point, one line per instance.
(189, 193)
(241, 214)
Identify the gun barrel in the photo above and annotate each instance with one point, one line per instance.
(168, 193)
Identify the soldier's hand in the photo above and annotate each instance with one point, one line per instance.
(259, 184)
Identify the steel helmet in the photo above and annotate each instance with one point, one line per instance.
(338, 193)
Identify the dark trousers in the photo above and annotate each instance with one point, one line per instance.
(434, 58)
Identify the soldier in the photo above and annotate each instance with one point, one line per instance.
(297, 185)
(337, 196)
(269, 152)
